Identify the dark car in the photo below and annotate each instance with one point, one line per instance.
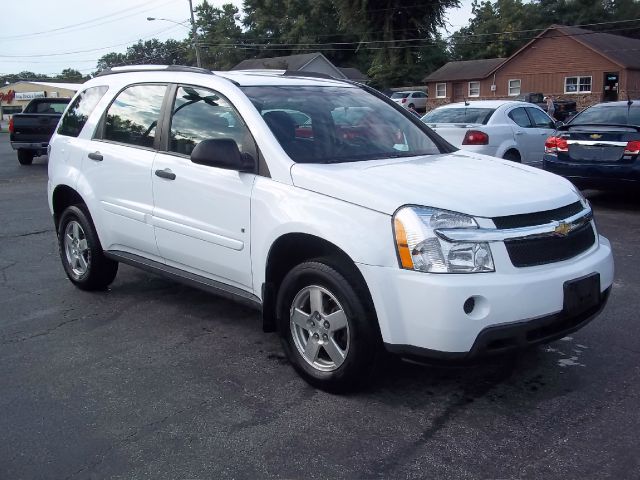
(31, 130)
(599, 148)
(564, 110)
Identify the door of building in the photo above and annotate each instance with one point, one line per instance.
(610, 93)
(458, 92)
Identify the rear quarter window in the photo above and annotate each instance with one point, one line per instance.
(74, 120)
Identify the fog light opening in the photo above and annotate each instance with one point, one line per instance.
(469, 305)
(476, 307)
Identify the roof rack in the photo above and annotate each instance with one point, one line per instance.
(298, 73)
(153, 68)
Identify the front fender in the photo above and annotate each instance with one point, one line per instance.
(364, 235)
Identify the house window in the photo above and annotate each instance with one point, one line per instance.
(514, 87)
(441, 90)
(577, 85)
(474, 89)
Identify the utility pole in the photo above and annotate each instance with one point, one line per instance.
(194, 35)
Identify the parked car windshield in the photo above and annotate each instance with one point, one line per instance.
(56, 106)
(399, 95)
(342, 124)
(459, 115)
(607, 114)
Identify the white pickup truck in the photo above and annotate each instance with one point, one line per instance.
(355, 231)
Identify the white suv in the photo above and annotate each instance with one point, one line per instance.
(411, 99)
(357, 231)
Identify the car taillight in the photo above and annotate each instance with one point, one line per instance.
(475, 137)
(632, 148)
(11, 125)
(555, 145)
(404, 100)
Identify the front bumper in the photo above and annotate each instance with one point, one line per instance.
(419, 312)
(499, 339)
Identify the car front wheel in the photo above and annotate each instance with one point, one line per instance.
(328, 330)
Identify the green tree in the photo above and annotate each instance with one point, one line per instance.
(219, 35)
(70, 75)
(288, 27)
(401, 29)
(171, 52)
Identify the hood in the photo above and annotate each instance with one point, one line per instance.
(464, 182)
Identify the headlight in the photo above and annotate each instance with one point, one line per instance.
(419, 248)
(581, 197)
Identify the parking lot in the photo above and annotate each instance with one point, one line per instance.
(153, 379)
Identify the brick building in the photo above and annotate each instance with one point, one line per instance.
(567, 62)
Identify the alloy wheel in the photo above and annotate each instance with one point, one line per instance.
(319, 328)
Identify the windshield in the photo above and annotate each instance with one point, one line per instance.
(400, 95)
(341, 124)
(616, 114)
(459, 115)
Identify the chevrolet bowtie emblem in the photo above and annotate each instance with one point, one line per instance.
(595, 136)
(562, 229)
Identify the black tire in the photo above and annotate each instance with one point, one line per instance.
(411, 105)
(25, 157)
(364, 341)
(512, 156)
(100, 270)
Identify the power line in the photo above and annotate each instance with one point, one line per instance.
(86, 24)
(89, 50)
(425, 41)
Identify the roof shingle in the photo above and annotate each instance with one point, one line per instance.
(464, 70)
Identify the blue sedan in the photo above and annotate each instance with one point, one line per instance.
(599, 148)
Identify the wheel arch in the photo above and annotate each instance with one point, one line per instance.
(513, 150)
(289, 250)
(64, 196)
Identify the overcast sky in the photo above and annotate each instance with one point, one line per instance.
(47, 36)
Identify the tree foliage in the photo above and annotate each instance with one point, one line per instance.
(171, 52)
(400, 30)
(219, 35)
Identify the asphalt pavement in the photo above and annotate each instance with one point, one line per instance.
(152, 379)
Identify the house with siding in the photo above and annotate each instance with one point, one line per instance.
(567, 62)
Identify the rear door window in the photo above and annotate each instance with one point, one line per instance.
(520, 117)
(73, 121)
(540, 119)
(132, 118)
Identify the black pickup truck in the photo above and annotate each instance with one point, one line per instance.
(564, 109)
(31, 130)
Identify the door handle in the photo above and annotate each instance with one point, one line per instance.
(519, 132)
(166, 173)
(97, 156)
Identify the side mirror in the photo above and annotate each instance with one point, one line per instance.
(222, 153)
(559, 123)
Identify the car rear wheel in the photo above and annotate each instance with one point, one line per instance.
(327, 329)
(512, 156)
(411, 105)
(25, 157)
(81, 253)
